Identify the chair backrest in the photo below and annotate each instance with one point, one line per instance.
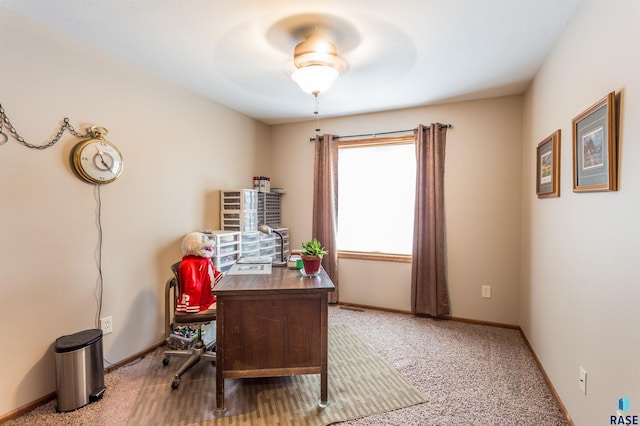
(169, 307)
(175, 268)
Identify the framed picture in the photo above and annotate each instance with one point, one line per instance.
(548, 166)
(595, 153)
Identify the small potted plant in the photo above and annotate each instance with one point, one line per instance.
(312, 252)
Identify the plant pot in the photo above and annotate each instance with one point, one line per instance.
(311, 265)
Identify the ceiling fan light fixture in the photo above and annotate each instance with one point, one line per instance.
(315, 79)
(317, 64)
(315, 50)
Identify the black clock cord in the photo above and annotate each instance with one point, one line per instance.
(99, 252)
(99, 258)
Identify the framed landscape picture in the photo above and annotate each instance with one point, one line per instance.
(595, 153)
(548, 166)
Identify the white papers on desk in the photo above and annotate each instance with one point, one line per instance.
(255, 259)
(250, 269)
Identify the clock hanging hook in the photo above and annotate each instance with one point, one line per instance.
(97, 132)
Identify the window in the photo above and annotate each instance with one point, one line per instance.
(376, 191)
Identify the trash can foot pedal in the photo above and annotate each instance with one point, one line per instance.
(99, 393)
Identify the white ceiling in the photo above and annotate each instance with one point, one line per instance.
(399, 53)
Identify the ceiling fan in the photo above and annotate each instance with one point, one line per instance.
(316, 61)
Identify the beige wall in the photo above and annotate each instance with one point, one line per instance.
(178, 150)
(580, 295)
(482, 198)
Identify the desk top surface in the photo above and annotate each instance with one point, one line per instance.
(281, 280)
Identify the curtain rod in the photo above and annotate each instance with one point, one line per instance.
(448, 126)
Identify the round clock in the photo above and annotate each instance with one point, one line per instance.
(96, 160)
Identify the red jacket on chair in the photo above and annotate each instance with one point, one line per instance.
(198, 276)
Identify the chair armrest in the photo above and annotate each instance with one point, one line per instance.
(201, 317)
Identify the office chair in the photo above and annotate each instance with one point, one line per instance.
(172, 319)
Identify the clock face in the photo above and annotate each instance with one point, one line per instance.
(97, 161)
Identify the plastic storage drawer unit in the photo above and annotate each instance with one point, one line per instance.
(79, 369)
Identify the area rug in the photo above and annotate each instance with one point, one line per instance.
(360, 384)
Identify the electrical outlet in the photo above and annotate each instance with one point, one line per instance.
(106, 324)
(583, 380)
(486, 291)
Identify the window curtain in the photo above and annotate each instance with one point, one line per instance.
(429, 292)
(325, 204)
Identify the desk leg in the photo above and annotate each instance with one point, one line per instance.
(220, 408)
(324, 345)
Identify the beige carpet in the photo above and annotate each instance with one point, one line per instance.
(360, 384)
(469, 374)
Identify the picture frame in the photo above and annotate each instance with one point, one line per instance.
(595, 151)
(548, 166)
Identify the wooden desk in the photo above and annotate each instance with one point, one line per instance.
(271, 325)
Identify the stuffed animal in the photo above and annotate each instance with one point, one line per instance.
(197, 274)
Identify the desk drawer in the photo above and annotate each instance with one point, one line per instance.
(259, 334)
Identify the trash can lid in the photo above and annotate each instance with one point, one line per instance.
(78, 340)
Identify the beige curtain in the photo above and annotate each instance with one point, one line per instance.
(429, 293)
(325, 204)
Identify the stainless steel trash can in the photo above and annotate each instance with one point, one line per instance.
(79, 369)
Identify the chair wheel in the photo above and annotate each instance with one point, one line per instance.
(175, 383)
(165, 361)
